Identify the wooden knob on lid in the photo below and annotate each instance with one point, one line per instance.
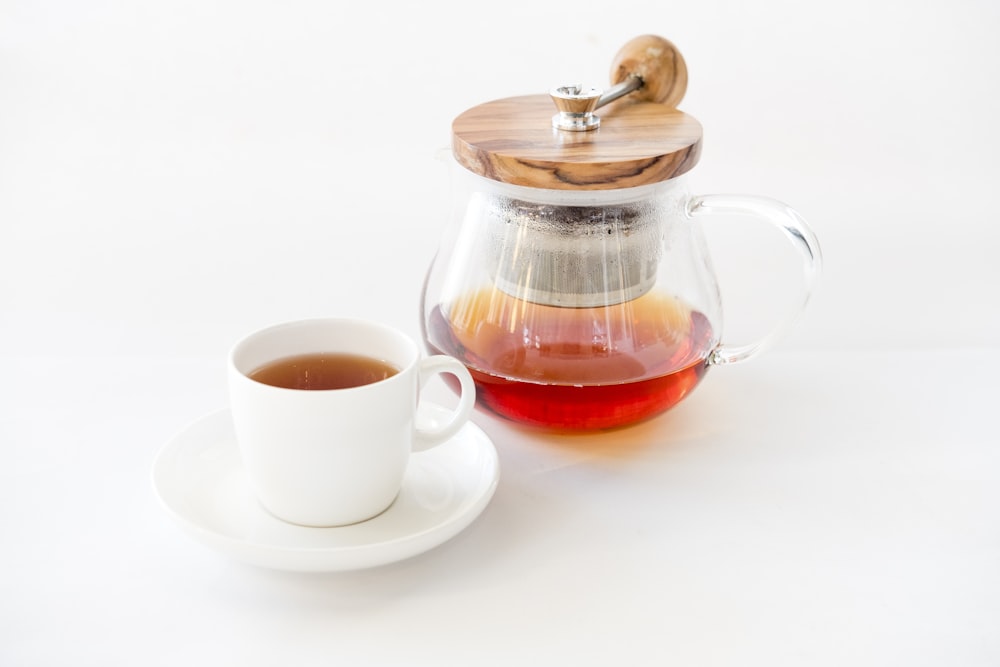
(643, 139)
(658, 63)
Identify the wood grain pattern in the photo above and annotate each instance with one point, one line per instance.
(659, 63)
(512, 141)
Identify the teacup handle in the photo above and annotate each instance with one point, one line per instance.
(795, 229)
(425, 438)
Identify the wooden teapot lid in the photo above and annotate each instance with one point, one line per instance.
(637, 140)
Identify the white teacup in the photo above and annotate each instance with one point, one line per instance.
(333, 457)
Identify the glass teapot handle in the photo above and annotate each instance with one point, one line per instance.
(795, 229)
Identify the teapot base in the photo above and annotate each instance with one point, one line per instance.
(588, 407)
(540, 392)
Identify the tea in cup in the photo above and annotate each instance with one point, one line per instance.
(324, 412)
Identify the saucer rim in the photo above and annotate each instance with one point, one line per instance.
(337, 558)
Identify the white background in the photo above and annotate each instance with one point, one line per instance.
(175, 174)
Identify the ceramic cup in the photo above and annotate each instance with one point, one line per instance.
(333, 457)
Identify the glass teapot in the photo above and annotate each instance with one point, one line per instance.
(573, 279)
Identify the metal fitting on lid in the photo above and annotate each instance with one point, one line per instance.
(577, 106)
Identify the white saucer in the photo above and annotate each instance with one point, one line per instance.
(200, 479)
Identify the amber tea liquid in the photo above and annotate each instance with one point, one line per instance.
(575, 368)
(319, 371)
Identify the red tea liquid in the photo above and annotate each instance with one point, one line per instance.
(575, 368)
